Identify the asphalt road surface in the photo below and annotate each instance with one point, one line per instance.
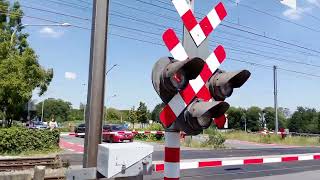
(306, 170)
(273, 171)
(189, 153)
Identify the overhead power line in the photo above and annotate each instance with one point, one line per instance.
(56, 12)
(274, 16)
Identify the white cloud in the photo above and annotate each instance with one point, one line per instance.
(314, 2)
(70, 75)
(295, 14)
(49, 32)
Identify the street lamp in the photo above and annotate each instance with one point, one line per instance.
(24, 25)
(111, 68)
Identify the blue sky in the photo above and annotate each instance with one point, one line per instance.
(66, 50)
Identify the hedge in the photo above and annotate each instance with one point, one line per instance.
(16, 140)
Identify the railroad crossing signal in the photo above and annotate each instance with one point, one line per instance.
(194, 89)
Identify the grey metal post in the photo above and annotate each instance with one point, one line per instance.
(275, 86)
(96, 87)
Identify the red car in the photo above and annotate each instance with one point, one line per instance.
(116, 133)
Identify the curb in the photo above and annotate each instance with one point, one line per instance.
(205, 163)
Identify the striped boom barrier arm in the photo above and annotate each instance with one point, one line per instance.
(200, 31)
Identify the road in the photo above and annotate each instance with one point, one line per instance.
(276, 170)
(308, 170)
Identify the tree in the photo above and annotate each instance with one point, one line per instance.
(132, 116)
(20, 71)
(75, 115)
(155, 114)
(113, 115)
(235, 118)
(54, 108)
(304, 120)
(253, 118)
(269, 115)
(142, 113)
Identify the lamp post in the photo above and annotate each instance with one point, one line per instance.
(25, 25)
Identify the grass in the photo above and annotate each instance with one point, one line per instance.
(51, 151)
(273, 139)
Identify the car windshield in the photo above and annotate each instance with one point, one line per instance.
(118, 128)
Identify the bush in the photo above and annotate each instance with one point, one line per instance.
(17, 140)
(215, 140)
(149, 137)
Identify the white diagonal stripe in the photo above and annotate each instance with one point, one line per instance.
(177, 104)
(172, 139)
(271, 160)
(214, 18)
(189, 165)
(179, 53)
(197, 35)
(232, 162)
(171, 170)
(305, 157)
(196, 84)
(212, 62)
(181, 6)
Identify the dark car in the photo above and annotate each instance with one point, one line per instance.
(116, 133)
(80, 130)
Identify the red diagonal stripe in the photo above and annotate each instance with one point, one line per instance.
(205, 73)
(221, 11)
(187, 94)
(206, 26)
(189, 20)
(204, 93)
(170, 39)
(210, 163)
(220, 53)
(253, 161)
(159, 167)
(293, 158)
(167, 116)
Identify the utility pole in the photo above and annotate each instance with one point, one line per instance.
(96, 86)
(42, 109)
(275, 87)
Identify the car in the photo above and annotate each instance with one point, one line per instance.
(80, 130)
(37, 125)
(116, 133)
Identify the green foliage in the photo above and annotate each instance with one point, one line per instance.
(216, 139)
(75, 115)
(156, 112)
(142, 113)
(20, 71)
(253, 121)
(273, 139)
(54, 108)
(17, 140)
(132, 116)
(149, 137)
(236, 118)
(269, 115)
(113, 115)
(305, 120)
